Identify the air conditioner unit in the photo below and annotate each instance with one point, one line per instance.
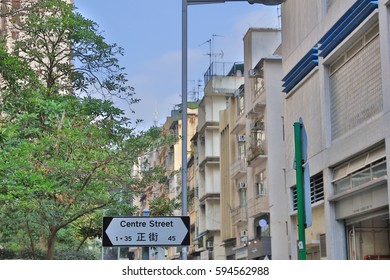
(241, 138)
(243, 233)
(253, 73)
(242, 185)
(209, 244)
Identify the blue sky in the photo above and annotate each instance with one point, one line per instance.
(150, 33)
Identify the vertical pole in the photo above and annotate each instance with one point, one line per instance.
(300, 192)
(145, 250)
(184, 117)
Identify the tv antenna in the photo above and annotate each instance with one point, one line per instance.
(212, 55)
(196, 90)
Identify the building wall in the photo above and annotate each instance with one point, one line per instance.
(217, 91)
(278, 192)
(352, 73)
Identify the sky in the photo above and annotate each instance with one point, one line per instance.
(150, 33)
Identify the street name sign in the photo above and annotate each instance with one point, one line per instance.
(146, 231)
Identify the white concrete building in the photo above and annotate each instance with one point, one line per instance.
(336, 66)
(219, 87)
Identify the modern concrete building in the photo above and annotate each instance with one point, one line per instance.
(336, 66)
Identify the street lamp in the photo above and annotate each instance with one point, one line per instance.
(185, 4)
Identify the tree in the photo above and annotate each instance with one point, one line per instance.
(69, 53)
(65, 155)
(163, 206)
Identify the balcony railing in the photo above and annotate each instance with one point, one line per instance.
(258, 205)
(239, 214)
(255, 151)
(222, 69)
(238, 168)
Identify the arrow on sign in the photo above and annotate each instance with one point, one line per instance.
(146, 231)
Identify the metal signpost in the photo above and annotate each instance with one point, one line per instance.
(303, 186)
(146, 231)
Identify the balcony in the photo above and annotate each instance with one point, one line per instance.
(239, 215)
(208, 160)
(256, 154)
(238, 168)
(239, 124)
(223, 69)
(207, 196)
(258, 101)
(258, 205)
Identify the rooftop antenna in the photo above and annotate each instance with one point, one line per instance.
(278, 9)
(209, 53)
(196, 89)
(212, 48)
(212, 55)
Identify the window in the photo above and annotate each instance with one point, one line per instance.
(242, 193)
(240, 101)
(259, 87)
(262, 226)
(260, 184)
(257, 138)
(241, 150)
(316, 190)
(360, 170)
(323, 245)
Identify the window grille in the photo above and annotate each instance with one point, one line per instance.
(316, 190)
(356, 84)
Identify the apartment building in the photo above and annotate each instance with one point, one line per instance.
(336, 67)
(219, 88)
(10, 11)
(254, 198)
(168, 157)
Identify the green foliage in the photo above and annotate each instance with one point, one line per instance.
(28, 254)
(70, 53)
(163, 206)
(7, 254)
(76, 255)
(62, 254)
(64, 156)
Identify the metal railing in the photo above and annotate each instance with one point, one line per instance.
(222, 69)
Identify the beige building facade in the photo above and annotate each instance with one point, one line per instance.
(253, 200)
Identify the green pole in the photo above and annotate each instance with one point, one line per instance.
(300, 192)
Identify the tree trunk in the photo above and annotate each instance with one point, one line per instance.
(81, 243)
(51, 242)
(32, 244)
